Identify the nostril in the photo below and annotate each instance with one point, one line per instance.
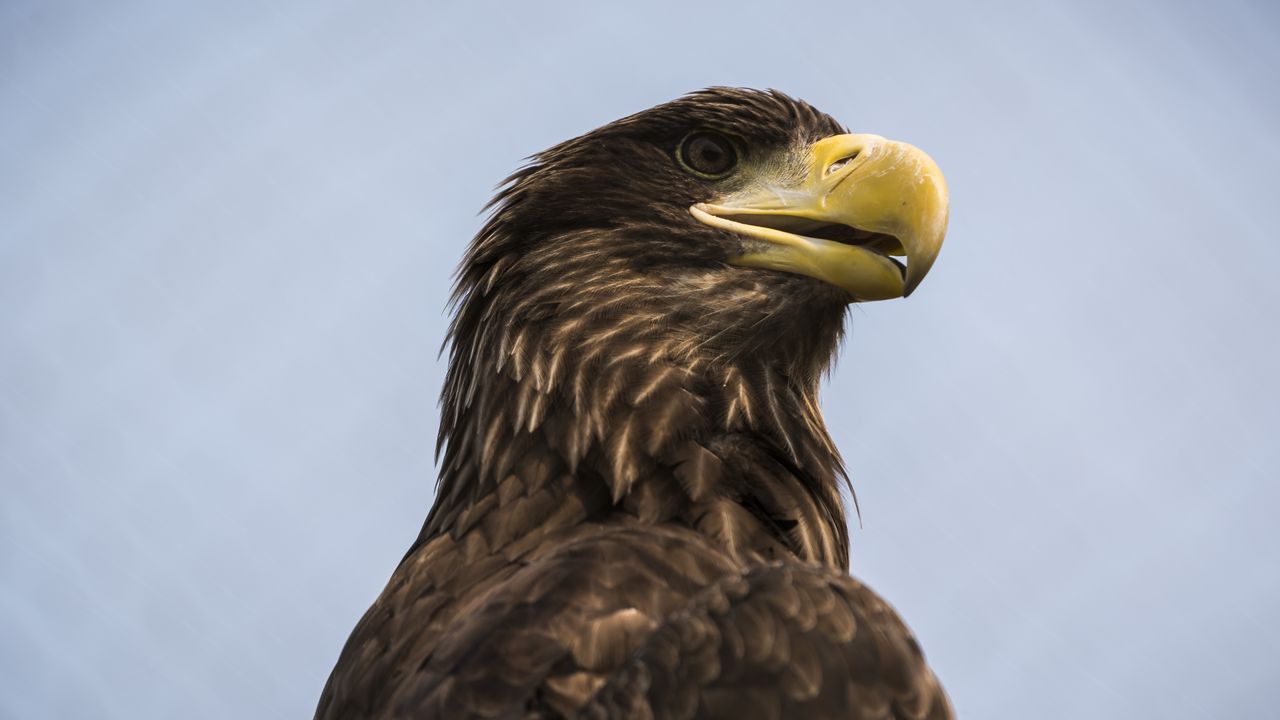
(842, 162)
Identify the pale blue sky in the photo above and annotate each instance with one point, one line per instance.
(226, 234)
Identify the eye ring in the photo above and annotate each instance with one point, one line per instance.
(707, 154)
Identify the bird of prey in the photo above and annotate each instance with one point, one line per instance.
(639, 509)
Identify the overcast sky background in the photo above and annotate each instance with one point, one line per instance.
(226, 238)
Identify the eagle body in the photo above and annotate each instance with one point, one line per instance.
(639, 509)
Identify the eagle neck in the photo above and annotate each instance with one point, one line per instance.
(618, 413)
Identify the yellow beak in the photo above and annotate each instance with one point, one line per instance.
(863, 199)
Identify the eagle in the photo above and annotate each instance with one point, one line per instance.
(639, 508)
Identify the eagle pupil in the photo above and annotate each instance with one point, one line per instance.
(708, 153)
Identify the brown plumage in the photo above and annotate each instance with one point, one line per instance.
(638, 511)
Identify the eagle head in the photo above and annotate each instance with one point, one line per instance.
(740, 222)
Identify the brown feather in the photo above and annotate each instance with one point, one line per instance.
(639, 510)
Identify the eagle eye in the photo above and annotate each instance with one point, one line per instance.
(707, 154)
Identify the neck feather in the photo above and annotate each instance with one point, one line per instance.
(630, 404)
